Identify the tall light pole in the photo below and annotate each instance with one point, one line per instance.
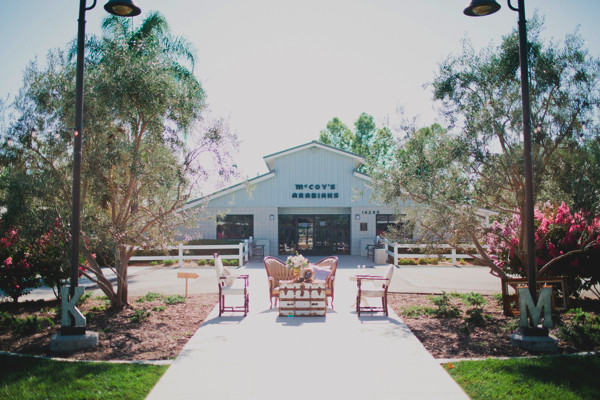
(479, 8)
(486, 7)
(123, 8)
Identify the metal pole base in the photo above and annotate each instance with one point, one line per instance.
(534, 331)
(72, 330)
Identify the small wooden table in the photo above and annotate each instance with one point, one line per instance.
(302, 299)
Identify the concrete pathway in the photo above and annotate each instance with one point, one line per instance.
(340, 356)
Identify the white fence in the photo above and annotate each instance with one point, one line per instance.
(392, 249)
(243, 252)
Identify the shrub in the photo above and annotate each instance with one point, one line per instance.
(499, 299)
(5, 320)
(416, 311)
(32, 324)
(583, 329)
(511, 326)
(407, 261)
(174, 299)
(26, 326)
(101, 308)
(50, 256)
(474, 299)
(150, 296)
(475, 315)
(445, 309)
(17, 276)
(558, 232)
(85, 297)
(140, 314)
(168, 263)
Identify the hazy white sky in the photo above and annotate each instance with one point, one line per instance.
(279, 70)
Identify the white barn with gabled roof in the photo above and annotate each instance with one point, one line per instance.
(313, 200)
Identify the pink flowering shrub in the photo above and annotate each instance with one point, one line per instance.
(27, 263)
(567, 244)
(50, 256)
(17, 275)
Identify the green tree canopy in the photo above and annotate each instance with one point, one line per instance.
(367, 140)
(146, 147)
(478, 162)
(576, 176)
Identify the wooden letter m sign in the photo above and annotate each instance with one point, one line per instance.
(528, 307)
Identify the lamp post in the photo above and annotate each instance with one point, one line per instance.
(533, 305)
(123, 8)
(479, 8)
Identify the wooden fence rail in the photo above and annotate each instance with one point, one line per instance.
(243, 251)
(393, 250)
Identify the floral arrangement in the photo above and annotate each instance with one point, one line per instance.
(297, 262)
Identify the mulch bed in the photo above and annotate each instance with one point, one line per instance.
(159, 336)
(452, 338)
(164, 329)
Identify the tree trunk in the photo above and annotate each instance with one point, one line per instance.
(95, 273)
(122, 299)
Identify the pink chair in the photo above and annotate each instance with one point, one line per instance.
(230, 284)
(276, 272)
(325, 270)
(371, 286)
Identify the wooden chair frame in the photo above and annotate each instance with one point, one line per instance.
(222, 293)
(386, 281)
(223, 289)
(329, 282)
(281, 274)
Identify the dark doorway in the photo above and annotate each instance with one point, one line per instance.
(314, 234)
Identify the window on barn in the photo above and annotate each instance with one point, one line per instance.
(235, 226)
(394, 224)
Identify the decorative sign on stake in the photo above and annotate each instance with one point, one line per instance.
(187, 276)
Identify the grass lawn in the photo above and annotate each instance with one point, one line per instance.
(35, 378)
(568, 377)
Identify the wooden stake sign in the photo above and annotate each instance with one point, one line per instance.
(187, 276)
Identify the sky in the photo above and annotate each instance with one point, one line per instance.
(279, 70)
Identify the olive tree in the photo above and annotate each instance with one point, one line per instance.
(478, 161)
(146, 145)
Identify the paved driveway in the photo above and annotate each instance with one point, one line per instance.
(407, 279)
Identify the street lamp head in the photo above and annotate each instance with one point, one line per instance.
(479, 8)
(122, 8)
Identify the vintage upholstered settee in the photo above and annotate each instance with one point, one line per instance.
(277, 271)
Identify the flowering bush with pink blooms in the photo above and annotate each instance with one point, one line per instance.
(17, 275)
(28, 262)
(567, 244)
(50, 256)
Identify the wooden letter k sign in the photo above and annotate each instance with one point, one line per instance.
(69, 307)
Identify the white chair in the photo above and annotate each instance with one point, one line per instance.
(229, 284)
(371, 286)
